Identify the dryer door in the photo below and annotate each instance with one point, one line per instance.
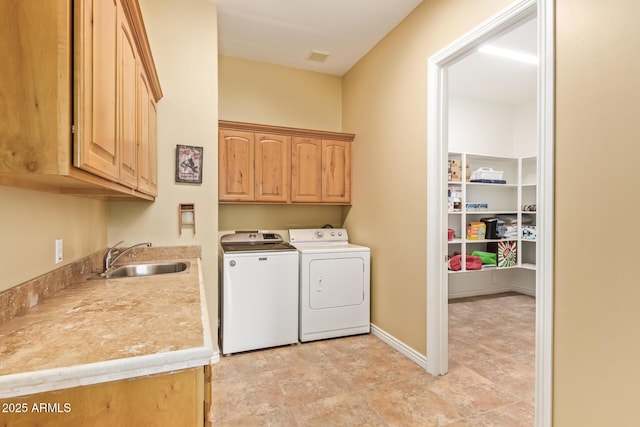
(336, 282)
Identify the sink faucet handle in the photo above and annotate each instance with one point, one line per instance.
(109, 255)
(114, 254)
(117, 244)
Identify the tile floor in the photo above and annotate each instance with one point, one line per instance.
(361, 381)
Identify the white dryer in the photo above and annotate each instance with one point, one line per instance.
(334, 284)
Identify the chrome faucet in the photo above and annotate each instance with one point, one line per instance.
(114, 253)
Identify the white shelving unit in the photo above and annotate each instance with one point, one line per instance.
(502, 199)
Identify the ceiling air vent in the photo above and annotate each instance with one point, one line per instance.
(316, 55)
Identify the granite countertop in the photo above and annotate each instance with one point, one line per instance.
(104, 330)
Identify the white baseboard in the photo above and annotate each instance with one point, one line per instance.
(404, 349)
(215, 358)
(475, 293)
(523, 290)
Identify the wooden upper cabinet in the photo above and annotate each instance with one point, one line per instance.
(69, 97)
(235, 166)
(272, 168)
(275, 164)
(306, 170)
(146, 114)
(321, 171)
(34, 87)
(127, 95)
(336, 172)
(115, 94)
(153, 148)
(97, 150)
(144, 175)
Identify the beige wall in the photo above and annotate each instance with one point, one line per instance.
(385, 104)
(258, 92)
(597, 286)
(183, 38)
(31, 221)
(277, 217)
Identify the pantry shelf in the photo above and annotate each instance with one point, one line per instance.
(492, 185)
(495, 200)
(468, 212)
(470, 241)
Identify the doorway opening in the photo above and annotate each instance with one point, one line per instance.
(513, 180)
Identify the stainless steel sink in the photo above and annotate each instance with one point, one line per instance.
(140, 270)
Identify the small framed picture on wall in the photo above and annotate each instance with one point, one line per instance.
(189, 164)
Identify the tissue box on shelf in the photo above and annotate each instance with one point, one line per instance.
(528, 232)
(476, 231)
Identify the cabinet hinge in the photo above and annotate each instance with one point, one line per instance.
(73, 129)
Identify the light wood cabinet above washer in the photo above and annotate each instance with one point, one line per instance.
(275, 164)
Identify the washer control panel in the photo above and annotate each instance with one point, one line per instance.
(251, 237)
(310, 235)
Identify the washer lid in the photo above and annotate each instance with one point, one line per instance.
(254, 241)
(257, 247)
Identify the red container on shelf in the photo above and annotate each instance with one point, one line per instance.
(450, 232)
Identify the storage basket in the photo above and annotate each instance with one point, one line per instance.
(487, 174)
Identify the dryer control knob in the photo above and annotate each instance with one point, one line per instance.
(319, 234)
(333, 234)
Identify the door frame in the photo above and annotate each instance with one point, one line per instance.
(437, 150)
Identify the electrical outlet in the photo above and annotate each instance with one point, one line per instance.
(58, 250)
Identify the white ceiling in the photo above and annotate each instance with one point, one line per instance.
(490, 78)
(285, 31)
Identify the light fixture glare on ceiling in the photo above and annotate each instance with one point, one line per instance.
(510, 54)
(318, 56)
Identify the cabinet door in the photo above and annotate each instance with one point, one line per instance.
(165, 399)
(97, 147)
(34, 88)
(153, 147)
(306, 170)
(272, 168)
(236, 166)
(127, 112)
(336, 171)
(144, 173)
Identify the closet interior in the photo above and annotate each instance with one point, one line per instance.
(492, 168)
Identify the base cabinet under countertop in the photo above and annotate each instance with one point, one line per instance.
(173, 399)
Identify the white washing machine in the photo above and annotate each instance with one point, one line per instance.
(334, 284)
(258, 293)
